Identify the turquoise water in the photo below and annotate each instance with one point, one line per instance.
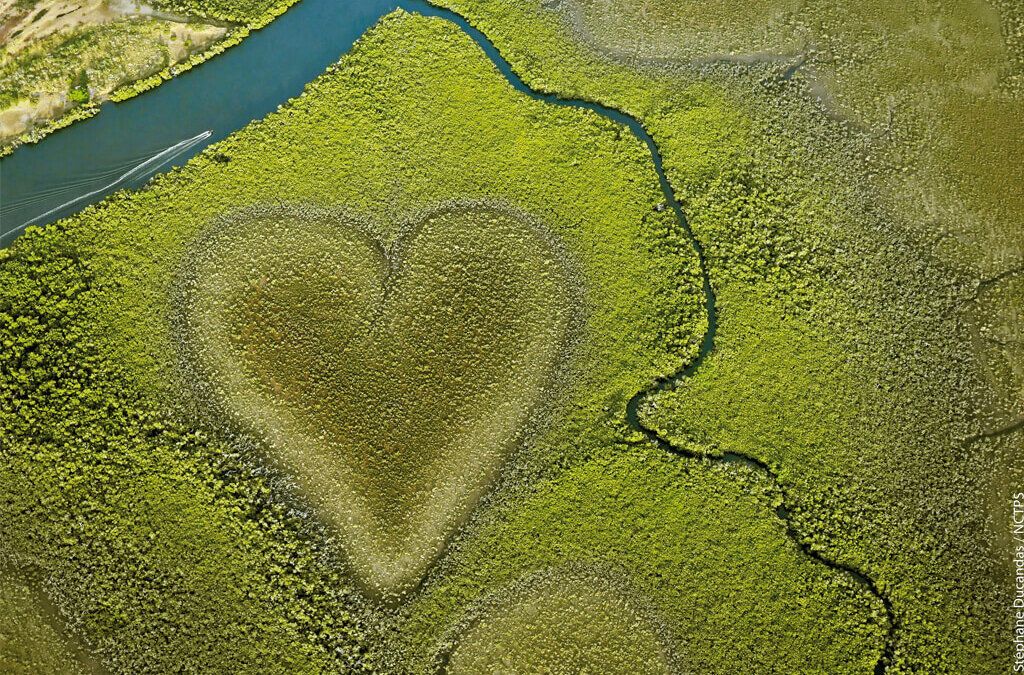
(129, 142)
(244, 83)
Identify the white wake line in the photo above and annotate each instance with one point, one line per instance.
(69, 187)
(157, 159)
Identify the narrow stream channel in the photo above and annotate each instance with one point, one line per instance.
(55, 178)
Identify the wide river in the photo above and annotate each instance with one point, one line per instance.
(129, 142)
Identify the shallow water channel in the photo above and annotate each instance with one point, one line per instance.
(129, 142)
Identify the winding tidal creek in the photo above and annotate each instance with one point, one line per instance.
(129, 142)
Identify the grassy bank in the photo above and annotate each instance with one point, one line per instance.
(844, 358)
(174, 540)
(58, 64)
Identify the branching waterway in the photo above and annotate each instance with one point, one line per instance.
(56, 177)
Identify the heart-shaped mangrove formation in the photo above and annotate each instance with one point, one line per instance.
(565, 621)
(391, 381)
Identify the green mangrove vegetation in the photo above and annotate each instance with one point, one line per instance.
(849, 176)
(59, 61)
(421, 373)
(177, 362)
(699, 540)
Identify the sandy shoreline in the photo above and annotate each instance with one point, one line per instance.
(163, 40)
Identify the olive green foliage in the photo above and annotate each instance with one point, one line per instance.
(938, 82)
(395, 381)
(161, 547)
(49, 65)
(235, 11)
(68, 72)
(998, 334)
(759, 411)
(849, 389)
(684, 29)
(699, 540)
(31, 641)
(841, 359)
(561, 622)
(173, 545)
(866, 55)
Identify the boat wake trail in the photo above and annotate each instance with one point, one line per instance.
(71, 187)
(150, 165)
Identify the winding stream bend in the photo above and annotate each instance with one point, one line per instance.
(49, 180)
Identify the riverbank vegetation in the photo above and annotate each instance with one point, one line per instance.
(845, 256)
(151, 466)
(77, 67)
(59, 61)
